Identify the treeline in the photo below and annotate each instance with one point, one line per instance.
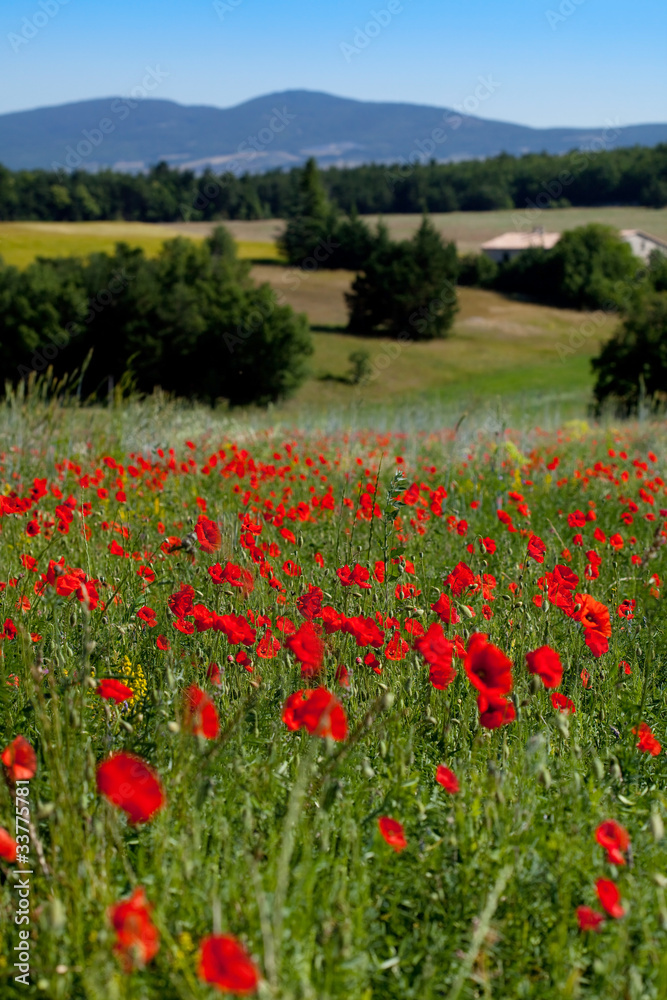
(629, 176)
(190, 320)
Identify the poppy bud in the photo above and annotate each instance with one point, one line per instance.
(55, 915)
(544, 777)
(535, 684)
(562, 724)
(598, 768)
(657, 826)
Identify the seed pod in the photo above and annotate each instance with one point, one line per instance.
(657, 826)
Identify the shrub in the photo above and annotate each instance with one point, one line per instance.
(477, 269)
(633, 364)
(590, 267)
(406, 288)
(190, 321)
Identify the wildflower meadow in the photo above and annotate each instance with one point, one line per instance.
(305, 713)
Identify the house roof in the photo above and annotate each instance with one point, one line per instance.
(644, 236)
(522, 241)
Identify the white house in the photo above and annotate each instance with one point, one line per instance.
(642, 243)
(509, 245)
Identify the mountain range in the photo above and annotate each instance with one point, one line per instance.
(278, 130)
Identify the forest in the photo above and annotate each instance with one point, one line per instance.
(629, 176)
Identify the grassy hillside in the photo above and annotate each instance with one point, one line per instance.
(498, 347)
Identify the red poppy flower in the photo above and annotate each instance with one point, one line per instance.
(610, 898)
(208, 534)
(460, 579)
(224, 963)
(9, 631)
(342, 675)
(213, 673)
(447, 779)
(434, 646)
(318, 711)
(162, 642)
(237, 629)
(359, 576)
(268, 646)
(562, 704)
(201, 717)
(147, 615)
(7, 846)
(392, 831)
(310, 603)
(445, 610)
(129, 783)
(364, 630)
(487, 667)
(647, 741)
(187, 628)
(137, 938)
(615, 839)
(308, 648)
(396, 648)
(20, 760)
(593, 615)
(113, 690)
(495, 710)
(180, 603)
(536, 548)
(588, 919)
(545, 662)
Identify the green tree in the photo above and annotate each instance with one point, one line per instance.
(406, 288)
(590, 267)
(191, 321)
(312, 219)
(633, 364)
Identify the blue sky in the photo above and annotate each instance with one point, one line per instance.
(552, 62)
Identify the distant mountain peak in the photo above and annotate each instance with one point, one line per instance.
(277, 130)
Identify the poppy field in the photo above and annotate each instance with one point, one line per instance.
(312, 714)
